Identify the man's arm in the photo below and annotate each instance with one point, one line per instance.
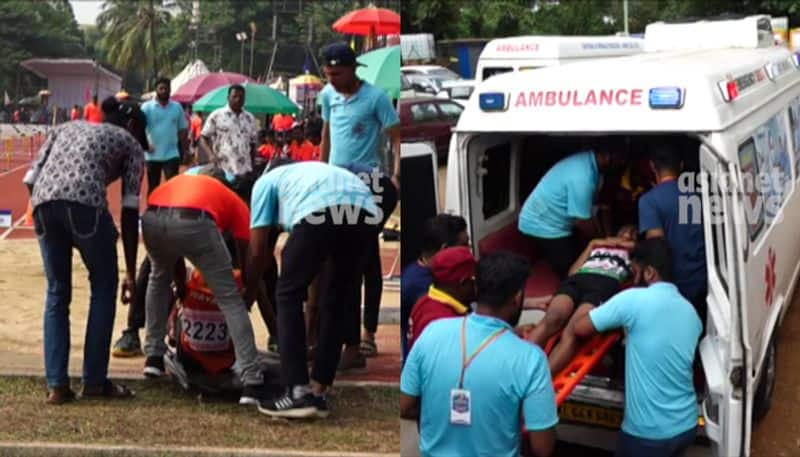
(260, 255)
(582, 258)
(205, 146)
(654, 233)
(183, 143)
(394, 134)
(542, 442)
(325, 143)
(130, 243)
(409, 407)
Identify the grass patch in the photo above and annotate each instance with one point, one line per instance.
(363, 419)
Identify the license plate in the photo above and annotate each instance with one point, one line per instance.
(593, 415)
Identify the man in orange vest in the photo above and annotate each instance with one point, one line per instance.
(91, 112)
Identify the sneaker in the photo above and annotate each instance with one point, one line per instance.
(154, 366)
(322, 406)
(291, 408)
(128, 345)
(252, 394)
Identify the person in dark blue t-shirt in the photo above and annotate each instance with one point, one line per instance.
(675, 214)
(441, 231)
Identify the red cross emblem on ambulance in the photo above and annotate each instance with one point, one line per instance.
(769, 277)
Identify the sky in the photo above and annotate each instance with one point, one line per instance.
(86, 11)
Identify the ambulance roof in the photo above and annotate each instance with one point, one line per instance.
(560, 47)
(615, 94)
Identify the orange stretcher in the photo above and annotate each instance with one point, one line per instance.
(589, 355)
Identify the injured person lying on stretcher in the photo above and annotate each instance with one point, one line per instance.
(598, 274)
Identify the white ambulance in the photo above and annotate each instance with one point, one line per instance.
(522, 53)
(734, 100)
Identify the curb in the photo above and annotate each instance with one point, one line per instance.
(30, 449)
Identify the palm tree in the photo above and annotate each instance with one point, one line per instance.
(129, 34)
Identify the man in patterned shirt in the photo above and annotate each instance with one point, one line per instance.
(596, 276)
(230, 135)
(68, 193)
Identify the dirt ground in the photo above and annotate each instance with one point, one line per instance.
(22, 288)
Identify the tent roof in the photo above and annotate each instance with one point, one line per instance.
(191, 70)
(46, 68)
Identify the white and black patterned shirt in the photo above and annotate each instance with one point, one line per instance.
(232, 137)
(84, 159)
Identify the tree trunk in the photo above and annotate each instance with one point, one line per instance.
(153, 47)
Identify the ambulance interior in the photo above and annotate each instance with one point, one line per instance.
(529, 156)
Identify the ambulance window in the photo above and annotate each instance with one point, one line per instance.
(491, 71)
(718, 233)
(754, 208)
(794, 125)
(496, 181)
(774, 165)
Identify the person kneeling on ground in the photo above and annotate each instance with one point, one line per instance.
(662, 330)
(329, 213)
(467, 379)
(453, 288)
(595, 277)
(185, 218)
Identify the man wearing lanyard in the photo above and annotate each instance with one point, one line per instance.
(453, 288)
(660, 216)
(468, 396)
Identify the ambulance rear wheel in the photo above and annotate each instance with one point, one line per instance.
(766, 385)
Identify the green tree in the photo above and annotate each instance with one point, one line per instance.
(131, 30)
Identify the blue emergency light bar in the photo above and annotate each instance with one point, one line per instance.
(666, 98)
(493, 101)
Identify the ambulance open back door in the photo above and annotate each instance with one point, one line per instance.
(722, 349)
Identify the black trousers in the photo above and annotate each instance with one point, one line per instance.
(309, 247)
(373, 270)
(169, 167)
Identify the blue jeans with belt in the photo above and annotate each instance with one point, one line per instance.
(60, 226)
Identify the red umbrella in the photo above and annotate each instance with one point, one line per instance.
(370, 20)
(193, 89)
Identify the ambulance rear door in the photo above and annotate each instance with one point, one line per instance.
(722, 349)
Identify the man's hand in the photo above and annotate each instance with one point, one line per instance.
(128, 293)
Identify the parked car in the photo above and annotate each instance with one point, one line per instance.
(458, 90)
(428, 78)
(429, 119)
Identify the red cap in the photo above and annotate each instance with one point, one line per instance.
(453, 265)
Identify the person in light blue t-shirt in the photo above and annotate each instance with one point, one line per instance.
(167, 131)
(506, 377)
(329, 213)
(662, 331)
(355, 114)
(564, 195)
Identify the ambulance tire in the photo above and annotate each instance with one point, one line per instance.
(766, 385)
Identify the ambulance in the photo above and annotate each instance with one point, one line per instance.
(522, 53)
(732, 99)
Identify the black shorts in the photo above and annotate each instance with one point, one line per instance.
(589, 288)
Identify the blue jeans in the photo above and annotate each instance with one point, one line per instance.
(633, 446)
(60, 226)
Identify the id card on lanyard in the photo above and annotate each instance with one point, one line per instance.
(460, 400)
